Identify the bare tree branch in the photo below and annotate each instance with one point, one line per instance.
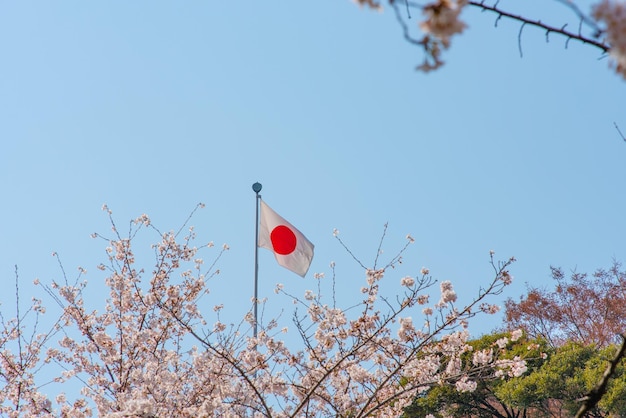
(594, 396)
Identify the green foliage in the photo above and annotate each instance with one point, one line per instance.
(558, 380)
(568, 375)
(614, 400)
(550, 387)
(445, 400)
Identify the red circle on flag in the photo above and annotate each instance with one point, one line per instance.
(283, 240)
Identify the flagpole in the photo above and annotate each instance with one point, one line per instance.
(256, 187)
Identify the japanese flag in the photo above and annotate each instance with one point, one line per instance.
(291, 249)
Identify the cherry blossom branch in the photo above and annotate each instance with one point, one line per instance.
(352, 352)
(539, 24)
(18, 370)
(519, 18)
(226, 355)
(495, 287)
(442, 22)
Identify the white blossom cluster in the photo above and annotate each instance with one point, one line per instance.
(442, 19)
(613, 14)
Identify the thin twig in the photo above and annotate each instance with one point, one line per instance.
(198, 206)
(579, 13)
(350, 252)
(519, 40)
(404, 26)
(619, 132)
(380, 245)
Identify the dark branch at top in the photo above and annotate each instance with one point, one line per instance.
(537, 23)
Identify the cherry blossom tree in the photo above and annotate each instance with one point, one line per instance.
(152, 352)
(602, 27)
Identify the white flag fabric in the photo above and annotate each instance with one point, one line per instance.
(290, 247)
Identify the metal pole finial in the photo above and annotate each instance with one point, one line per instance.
(257, 187)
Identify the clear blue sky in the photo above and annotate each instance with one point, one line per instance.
(152, 107)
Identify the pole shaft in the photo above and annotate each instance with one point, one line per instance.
(256, 266)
